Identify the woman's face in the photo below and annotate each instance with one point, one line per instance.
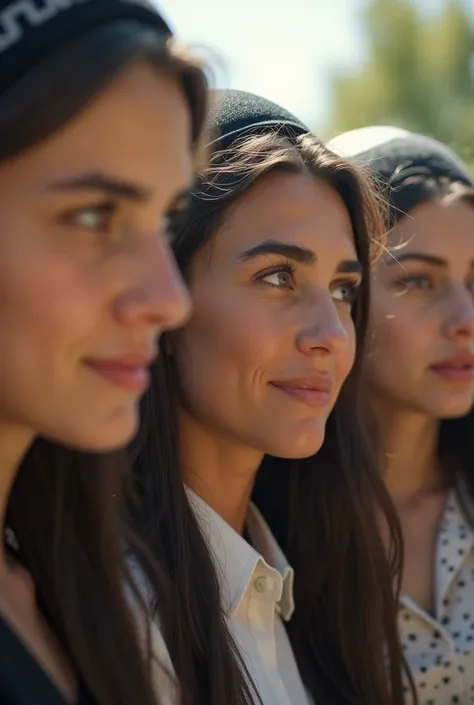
(272, 340)
(422, 346)
(87, 282)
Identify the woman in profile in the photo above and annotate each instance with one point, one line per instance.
(257, 395)
(99, 125)
(420, 377)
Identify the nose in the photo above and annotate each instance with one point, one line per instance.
(324, 331)
(157, 298)
(459, 322)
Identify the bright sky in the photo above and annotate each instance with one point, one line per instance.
(267, 48)
(284, 50)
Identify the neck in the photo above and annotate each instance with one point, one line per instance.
(409, 451)
(219, 469)
(14, 443)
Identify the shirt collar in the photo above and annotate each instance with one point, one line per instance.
(238, 564)
(455, 541)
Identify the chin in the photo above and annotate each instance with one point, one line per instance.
(452, 408)
(99, 435)
(302, 443)
(454, 412)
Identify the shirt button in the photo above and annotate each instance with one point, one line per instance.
(264, 585)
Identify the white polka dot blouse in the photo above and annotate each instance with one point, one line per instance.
(440, 648)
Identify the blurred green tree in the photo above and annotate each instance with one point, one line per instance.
(419, 74)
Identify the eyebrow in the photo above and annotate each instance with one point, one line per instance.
(298, 254)
(417, 257)
(106, 184)
(273, 247)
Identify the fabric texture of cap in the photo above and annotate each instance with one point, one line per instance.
(238, 113)
(32, 30)
(395, 155)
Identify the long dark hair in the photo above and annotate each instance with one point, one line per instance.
(323, 510)
(66, 508)
(456, 438)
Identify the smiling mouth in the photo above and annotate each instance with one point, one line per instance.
(315, 394)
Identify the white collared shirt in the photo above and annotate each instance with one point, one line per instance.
(257, 595)
(440, 648)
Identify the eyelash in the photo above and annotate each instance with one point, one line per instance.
(352, 284)
(411, 280)
(285, 268)
(407, 281)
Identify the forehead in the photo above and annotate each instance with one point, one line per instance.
(292, 208)
(136, 129)
(444, 229)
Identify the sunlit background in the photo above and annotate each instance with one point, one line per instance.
(339, 64)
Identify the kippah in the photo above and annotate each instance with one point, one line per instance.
(238, 113)
(396, 154)
(32, 30)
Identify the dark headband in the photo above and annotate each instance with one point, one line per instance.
(31, 30)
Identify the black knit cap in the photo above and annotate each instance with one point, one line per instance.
(32, 30)
(238, 113)
(396, 155)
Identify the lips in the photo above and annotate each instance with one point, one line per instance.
(130, 372)
(314, 391)
(459, 368)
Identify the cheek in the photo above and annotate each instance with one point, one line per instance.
(399, 338)
(227, 344)
(44, 303)
(387, 333)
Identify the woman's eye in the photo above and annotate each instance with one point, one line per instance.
(347, 292)
(92, 217)
(278, 279)
(417, 282)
